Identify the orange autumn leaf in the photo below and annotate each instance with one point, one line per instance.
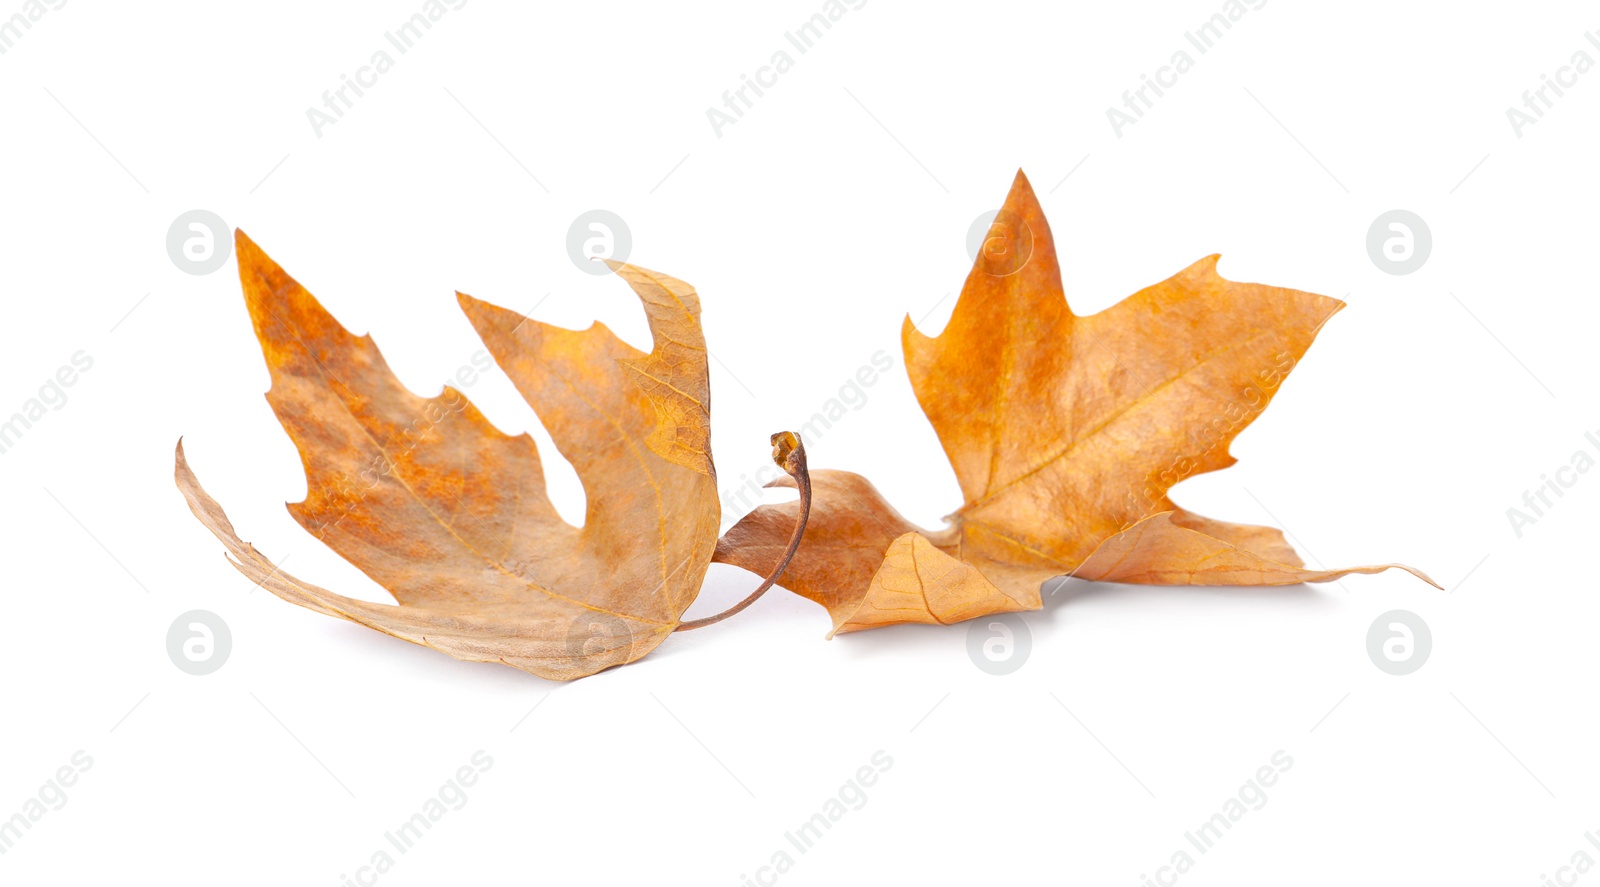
(1065, 433)
(451, 516)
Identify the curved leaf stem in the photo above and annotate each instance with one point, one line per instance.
(790, 454)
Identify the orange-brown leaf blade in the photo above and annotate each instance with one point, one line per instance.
(451, 515)
(869, 566)
(1065, 434)
(635, 428)
(555, 641)
(1158, 551)
(1065, 429)
(409, 489)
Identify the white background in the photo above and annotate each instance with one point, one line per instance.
(839, 204)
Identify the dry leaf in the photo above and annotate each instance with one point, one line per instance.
(451, 516)
(1065, 433)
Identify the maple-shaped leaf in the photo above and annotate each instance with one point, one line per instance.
(1065, 433)
(451, 516)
